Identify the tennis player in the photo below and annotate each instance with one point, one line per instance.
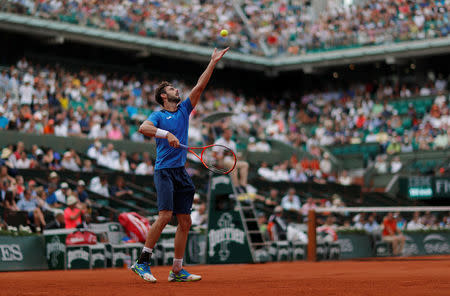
(174, 188)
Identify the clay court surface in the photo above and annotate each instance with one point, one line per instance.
(398, 276)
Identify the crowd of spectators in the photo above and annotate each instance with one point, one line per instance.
(291, 27)
(32, 98)
(48, 205)
(193, 22)
(99, 157)
(287, 27)
(388, 228)
(53, 100)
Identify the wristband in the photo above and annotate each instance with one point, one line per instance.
(160, 133)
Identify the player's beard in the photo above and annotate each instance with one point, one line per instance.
(174, 99)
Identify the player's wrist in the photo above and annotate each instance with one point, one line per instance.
(160, 133)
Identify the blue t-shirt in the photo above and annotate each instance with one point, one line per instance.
(178, 124)
(3, 122)
(51, 199)
(27, 205)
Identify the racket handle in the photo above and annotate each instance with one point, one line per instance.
(184, 146)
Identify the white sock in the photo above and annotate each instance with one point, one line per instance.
(177, 265)
(148, 250)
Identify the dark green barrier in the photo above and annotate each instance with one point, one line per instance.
(355, 245)
(22, 253)
(418, 243)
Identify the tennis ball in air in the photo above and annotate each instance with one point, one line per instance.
(224, 33)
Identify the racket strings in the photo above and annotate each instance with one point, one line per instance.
(219, 159)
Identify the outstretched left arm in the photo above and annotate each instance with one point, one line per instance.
(196, 92)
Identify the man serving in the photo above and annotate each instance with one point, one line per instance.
(174, 188)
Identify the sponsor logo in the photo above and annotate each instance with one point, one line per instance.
(79, 254)
(226, 233)
(410, 247)
(346, 245)
(434, 237)
(54, 249)
(436, 244)
(10, 253)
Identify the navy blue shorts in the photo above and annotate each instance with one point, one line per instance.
(175, 190)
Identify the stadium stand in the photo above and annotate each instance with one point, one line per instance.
(283, 27)
(71, 128)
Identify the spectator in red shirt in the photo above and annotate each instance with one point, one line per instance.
(392, 234)
(72, 214)
(361, 120)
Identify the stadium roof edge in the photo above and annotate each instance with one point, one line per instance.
(31, 25)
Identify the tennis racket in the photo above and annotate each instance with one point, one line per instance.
(216, 158)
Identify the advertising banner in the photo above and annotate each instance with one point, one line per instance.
(22, 253)
(226, 240)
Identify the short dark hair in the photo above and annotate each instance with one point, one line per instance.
(161, 90)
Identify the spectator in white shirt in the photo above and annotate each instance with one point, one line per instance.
(100, 185)
(381, 165)
(71, 161)
(345, 179)
(372, 226)
(415, 223)
(61, 129)
(291, 201)
(145, 167)
(62, 193)
(104, 159)
(261, 146)
(28, 76)
(98, 130)
(23, 162)
(371, 138)
(396, 165)
(95, 150)
(241, 167)
(360, 223)
(297, 175)
(121, 164)
(198, 216)
(113, 154)
(74, 129)
(281, 173)
(325, 164)
(265, 172)
(26, 93)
